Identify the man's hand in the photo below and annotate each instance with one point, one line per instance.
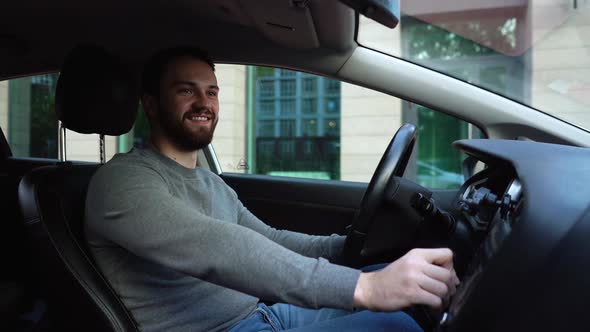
(422, 276)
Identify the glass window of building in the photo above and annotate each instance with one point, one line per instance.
(302, 124)
(28, 117)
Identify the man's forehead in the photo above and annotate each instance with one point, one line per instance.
(186, 67)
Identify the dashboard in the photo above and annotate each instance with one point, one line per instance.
(489, 204)
(527, 216)
(519, 230)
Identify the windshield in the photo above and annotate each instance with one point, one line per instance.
(534, 52)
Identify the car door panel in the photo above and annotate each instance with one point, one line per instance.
(305, 205)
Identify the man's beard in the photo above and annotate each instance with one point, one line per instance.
(181, 135)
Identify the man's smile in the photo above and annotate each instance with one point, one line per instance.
(199, 117)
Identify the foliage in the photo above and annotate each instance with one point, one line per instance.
(428, 41)
(43, 140)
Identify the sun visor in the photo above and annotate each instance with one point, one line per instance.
(288, 23)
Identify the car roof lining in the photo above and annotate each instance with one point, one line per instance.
(232, 31)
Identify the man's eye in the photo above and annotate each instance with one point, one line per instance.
(213, 93)
(185, 91)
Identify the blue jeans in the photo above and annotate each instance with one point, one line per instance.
(286, 317)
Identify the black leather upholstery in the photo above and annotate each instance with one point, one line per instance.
(91, 98)
(52, 199)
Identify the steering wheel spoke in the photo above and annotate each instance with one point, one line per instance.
(393, 163)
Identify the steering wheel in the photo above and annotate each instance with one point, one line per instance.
(393, 163)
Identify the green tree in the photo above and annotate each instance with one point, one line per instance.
(43, 142)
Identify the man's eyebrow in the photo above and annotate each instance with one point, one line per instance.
(182, 83)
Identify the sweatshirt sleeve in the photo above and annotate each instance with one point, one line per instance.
(132, 208)
(329, 247)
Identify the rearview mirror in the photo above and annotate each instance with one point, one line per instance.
(385, 12)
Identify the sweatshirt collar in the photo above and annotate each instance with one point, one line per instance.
(184, 171)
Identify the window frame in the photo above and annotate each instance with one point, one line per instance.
(215, 164)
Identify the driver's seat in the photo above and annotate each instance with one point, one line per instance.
(96, 93)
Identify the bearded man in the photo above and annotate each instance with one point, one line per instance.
(184, 254)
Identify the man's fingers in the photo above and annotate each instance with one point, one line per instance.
(444, 275)
(441, 256)
(422, 276)
(427, 298)
(438, 273)
(444, 272)
(434, 286)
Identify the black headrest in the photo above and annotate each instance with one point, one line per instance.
(97, 93)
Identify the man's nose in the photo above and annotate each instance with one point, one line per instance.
(201, 100)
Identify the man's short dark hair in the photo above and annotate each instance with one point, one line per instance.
(154, 68)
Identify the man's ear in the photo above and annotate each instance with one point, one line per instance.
(150, 105)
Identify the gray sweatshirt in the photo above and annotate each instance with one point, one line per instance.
(184, 254)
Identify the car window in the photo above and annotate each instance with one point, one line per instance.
(284, 123)
(534, 52)
(27, 117)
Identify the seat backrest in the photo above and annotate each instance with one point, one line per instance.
(52, 199)
(95, 94)
(18, 291)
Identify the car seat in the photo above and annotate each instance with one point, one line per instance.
(96, 93)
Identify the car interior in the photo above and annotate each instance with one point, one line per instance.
(518, 224)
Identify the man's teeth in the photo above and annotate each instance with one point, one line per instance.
(199, 118)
